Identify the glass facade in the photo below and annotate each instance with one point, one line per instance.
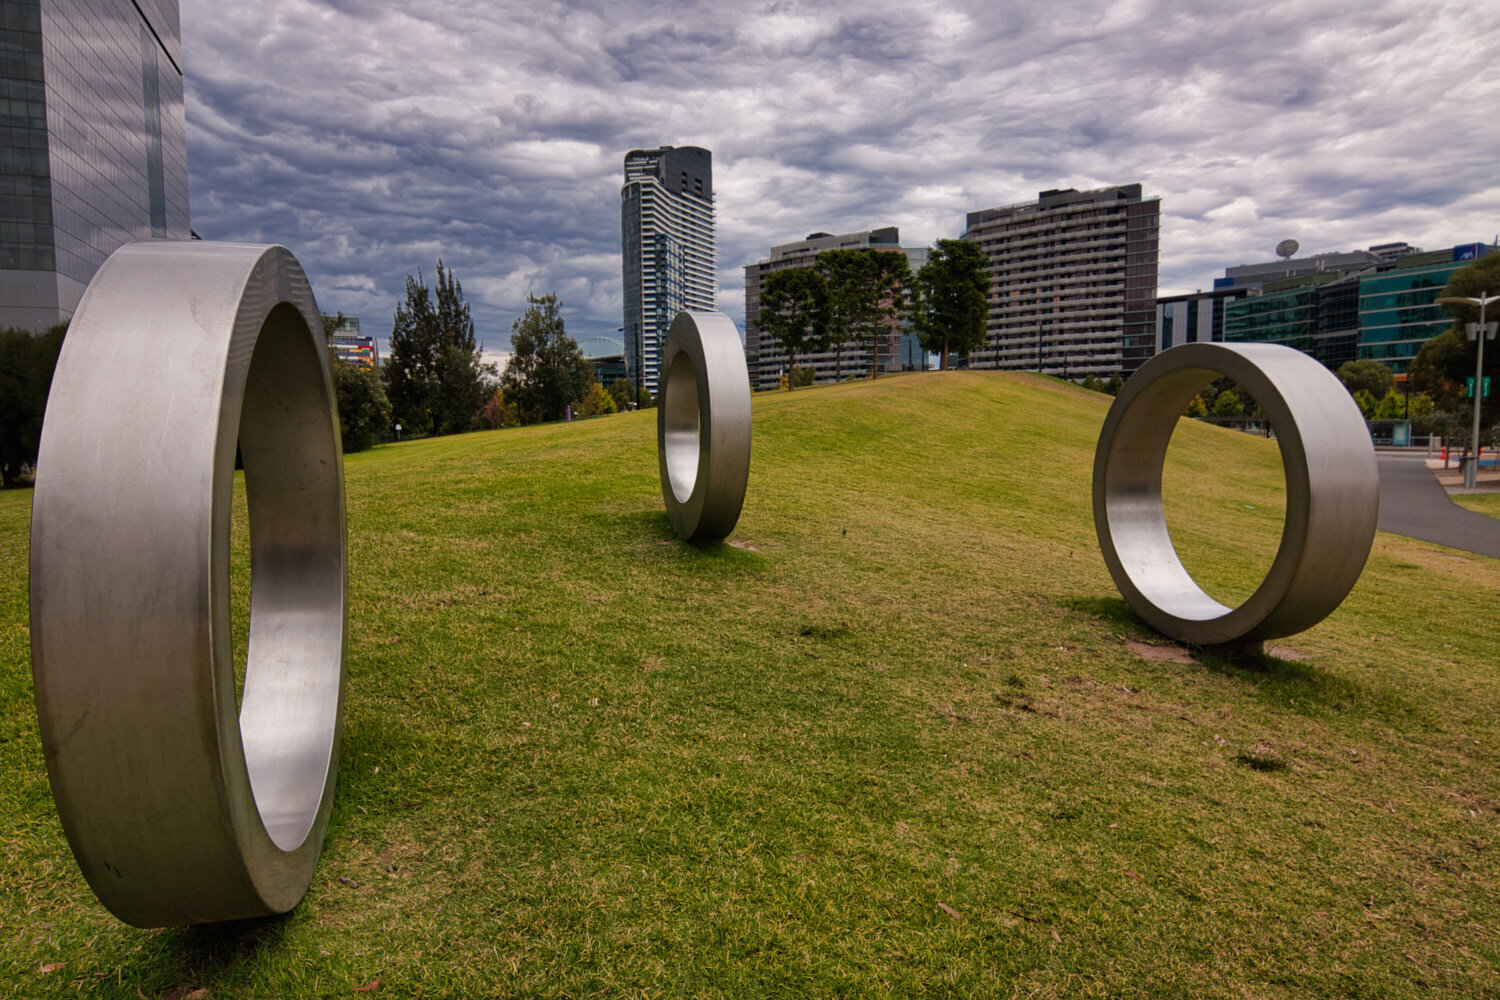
(668, 248)
(1287, 317)
(94, 154)
(25, 193)
(1398, 311)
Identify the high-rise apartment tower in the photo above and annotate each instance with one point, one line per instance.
(1072, 282)
(93, 152)
(667, 245)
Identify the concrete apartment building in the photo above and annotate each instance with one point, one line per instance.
(1073, 279)
(667, 246)
(765, 358)
(93, 152)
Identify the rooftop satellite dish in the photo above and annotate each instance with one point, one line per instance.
(1287, 248)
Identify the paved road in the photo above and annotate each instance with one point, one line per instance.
(1414, 504)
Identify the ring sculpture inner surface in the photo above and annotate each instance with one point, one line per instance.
(179, 808)
(1332, 493)
(703, 425)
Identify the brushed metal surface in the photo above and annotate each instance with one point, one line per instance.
(703, 425)
(1332, 493)
(180, 808)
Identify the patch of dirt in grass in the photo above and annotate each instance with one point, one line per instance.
(1159, 653)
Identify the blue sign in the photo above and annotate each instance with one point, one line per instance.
(1468, 251)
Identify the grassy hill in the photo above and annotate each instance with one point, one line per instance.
(893, 740)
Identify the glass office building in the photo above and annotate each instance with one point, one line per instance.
(1398, 310)
(667, 246)
(1288, 316)
(93, 148)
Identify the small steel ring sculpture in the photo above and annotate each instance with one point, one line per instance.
(180, 807)
(703, 425)
(1332, 493)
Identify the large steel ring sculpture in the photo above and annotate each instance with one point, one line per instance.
(1332, 493)
(180, 807)
(703, 425)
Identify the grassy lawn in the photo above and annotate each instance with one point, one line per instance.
(1485, 503)
(892, 742)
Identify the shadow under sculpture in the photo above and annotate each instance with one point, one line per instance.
(703, 425)
(181, 807)
(1332, 493)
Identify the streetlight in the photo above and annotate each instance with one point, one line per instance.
(1481, 331)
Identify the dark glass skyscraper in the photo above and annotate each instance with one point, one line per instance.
(93, 148)
(668, 248)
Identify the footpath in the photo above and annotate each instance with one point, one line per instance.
(1414, 502)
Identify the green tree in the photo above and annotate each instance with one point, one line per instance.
(1472, 281)
(794, 311)
(498, 412)
(364, 409)
(546, 372)
(1227, 404)
(434, 378)
(621, 391)
(849, 276)
(1195, 408)
(27, 362)
(1390, 407)
(892, 278)
(595, 402)
(1367, 374)
(866, 290)
(359, 392)
(950, 299)
(1457, 357)
(1441, 368)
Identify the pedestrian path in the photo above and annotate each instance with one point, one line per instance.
(1414, 504)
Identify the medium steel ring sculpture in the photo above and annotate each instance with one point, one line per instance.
(1332, 493)
(703, 425)
(181, 807)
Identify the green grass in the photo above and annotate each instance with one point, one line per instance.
(890, 744)
(1485, 503)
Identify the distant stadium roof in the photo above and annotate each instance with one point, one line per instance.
(601, 347)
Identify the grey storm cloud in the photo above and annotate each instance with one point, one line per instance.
(374, 139)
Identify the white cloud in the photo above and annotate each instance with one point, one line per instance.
(374, 138)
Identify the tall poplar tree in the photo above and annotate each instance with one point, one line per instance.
(434, 378)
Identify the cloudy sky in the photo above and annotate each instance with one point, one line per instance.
(374, 137)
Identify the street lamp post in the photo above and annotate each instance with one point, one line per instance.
(1482, 332)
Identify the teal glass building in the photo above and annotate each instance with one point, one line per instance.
(1287, 317)
(1398, 309)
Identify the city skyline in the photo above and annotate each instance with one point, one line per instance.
(492, 137)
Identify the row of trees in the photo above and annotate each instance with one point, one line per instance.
(434, 380)
(859, 296)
